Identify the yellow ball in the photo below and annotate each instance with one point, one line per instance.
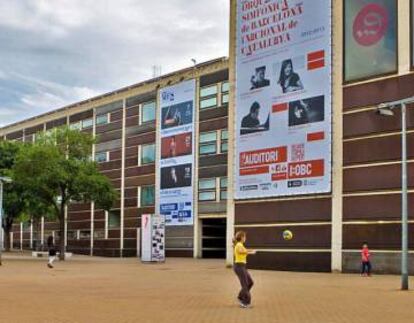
(287, 235)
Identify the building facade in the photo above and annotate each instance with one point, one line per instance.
(329, 229)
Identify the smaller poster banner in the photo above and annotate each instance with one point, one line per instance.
(153, 238)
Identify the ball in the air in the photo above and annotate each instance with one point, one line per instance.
(287, 235)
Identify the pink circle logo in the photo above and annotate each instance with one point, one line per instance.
(370, 25)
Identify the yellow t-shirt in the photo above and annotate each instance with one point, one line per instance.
(238, 257)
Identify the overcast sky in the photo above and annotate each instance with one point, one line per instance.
(56, 52)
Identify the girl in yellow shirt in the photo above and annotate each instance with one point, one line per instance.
(240, 261)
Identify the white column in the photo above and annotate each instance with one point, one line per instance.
(337, 131)
(21, 235)
(92, 226)
(106, 225)
(11, 240)
(121, 246)
(93, 203)
(404, 37)
(65, 233)
(42, 231)
(31, 234)
(2, 239)
(230, 152)
(197, 239)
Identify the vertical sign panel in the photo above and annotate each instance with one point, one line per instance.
(153, 238)
(371, 32)
(283, 98)
(176, 123)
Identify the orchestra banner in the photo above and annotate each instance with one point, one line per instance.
(176, 156)
(283, 98)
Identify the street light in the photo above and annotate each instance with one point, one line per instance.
(3, 179)
(387, 109)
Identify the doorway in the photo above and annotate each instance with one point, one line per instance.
(214, 238)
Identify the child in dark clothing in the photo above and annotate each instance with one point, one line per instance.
(52, 251)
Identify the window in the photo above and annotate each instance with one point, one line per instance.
(208, 96)
(208, 103)
(225, 87)
(208, 91)
(207, 189)
(148, 112)
(99, 234)
(224, 98)
(102, 119)
(223, 188)
(370, 38)
(147, 197)
(87, 123)
(101, 157)
(215, 95)
(84, 234)
(224, 141)
(225, 93)
(26, 225)
(208, 143)
(75, 126)
(147, 154)
(114, 219)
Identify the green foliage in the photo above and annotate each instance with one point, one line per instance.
(13, 201)
(58, 169)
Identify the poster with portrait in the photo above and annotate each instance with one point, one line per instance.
(370, 38)
(283, 98)
(176, 155)
(153, 238)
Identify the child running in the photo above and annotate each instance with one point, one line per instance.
(52, 251)
(240, 262)
(366, 263)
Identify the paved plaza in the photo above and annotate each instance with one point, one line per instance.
(86, 289)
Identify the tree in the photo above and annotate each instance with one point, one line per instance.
(58, 169)
(13, 201)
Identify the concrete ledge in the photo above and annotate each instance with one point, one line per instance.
(39, 254)
(382, 262)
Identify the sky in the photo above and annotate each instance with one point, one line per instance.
(58, 52)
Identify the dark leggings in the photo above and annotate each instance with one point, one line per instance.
(366, 267)
(246, 283)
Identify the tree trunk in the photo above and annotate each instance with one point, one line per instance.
(62, 247)
(7, 228)
(7, 239)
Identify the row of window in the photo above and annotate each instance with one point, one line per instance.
(212, 189)
(211, 142)
(211, 96)
(209, 189)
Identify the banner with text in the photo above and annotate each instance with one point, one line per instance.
(175, 186)
(283, 98)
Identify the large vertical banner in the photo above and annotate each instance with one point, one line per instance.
(175, 186)
(283, 98)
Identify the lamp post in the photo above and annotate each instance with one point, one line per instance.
(2, 180)
(386, 109)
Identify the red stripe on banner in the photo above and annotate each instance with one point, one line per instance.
(254, 170)
(279, 107)
(320, 54)
(315, 136)
(279, 177)
(263, 157)
(305, 169)
(316, 64)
